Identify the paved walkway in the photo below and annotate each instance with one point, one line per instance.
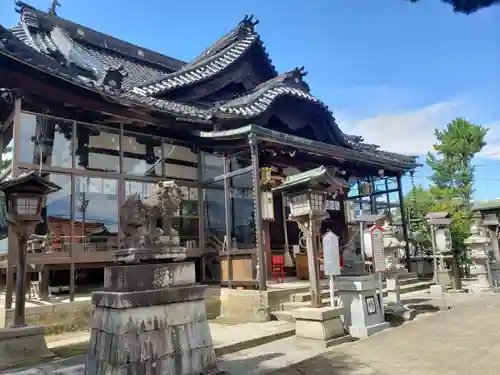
(462, 341)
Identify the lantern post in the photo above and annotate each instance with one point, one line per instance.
(24, 196)
(306, 193)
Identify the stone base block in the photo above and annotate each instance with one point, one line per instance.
(399, 311)
(21, 344)
(478, 288)
(365, 331)
(445, 278)
(437, 291)
(363, 305)
(149, 321)
(321, 325)
(243, 306)
(495, 274)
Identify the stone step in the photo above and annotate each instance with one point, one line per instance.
(287, 308)
(406, 287)
(284, 316)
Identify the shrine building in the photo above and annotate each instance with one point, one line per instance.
(104, 119)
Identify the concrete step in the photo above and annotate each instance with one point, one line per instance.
(406, 287)
(283, 316)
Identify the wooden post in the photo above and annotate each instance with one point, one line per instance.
(72, 275)
(266, 226)
(405, 223)
(44, 282)
(23, 232)
(313, 263)
(254, 150)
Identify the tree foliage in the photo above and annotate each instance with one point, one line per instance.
(467, 6)
(451, 182)
(5, 161)
(418, 202)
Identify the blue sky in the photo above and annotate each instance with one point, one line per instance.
(390, 71)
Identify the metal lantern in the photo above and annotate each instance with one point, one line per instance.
(25, 195)
(307, 202)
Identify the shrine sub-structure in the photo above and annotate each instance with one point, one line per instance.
(106, 119)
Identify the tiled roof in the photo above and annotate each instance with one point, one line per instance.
(14, 48)
(290, 84)
(44, 21)
(223, 54)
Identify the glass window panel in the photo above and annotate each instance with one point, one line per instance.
(173, 151)
(144, 189)
(57, 216)
(97, 149)
(96, 213)
(392, 183)
(46, 140)
(141, 155)
(182, 172)
(212, 167)
(353, 189)
(243, 180)
(382, 204)
(215, 220)
(379, 185)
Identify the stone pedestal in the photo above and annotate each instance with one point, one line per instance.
(495, 274)
(480, 273)
(392, 287)
(445, 277)
(243, 306)
(320, 325)
(437, 291)
(151, 319)
(363, 315)
(393, 298)
(18, 345)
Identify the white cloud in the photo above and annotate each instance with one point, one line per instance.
(492, 148)
(412, 132)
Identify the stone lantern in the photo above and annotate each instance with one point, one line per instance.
(25, 196)
(479, 269)
(306, 193)
(392, 247)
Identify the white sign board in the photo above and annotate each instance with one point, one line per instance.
(377, 242)
(331, 254)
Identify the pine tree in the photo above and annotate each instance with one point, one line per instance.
(453, 175)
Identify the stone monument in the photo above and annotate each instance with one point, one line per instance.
(479, 268)
(395, 271)
(151, 317)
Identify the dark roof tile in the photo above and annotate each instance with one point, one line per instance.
(220, 56)
(42, 20)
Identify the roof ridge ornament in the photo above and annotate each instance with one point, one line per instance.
(248, 22)
(53, 7)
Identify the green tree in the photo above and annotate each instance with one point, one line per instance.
(467, 6)
(418, 202)
(453, 175)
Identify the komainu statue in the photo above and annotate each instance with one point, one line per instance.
(142, 238)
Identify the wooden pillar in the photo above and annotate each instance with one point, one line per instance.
(72, 275)
(266, 226)
(404, 222)
(44, 282)
(309, 230)
(12, 239)
(254, 151)
(11, 262)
